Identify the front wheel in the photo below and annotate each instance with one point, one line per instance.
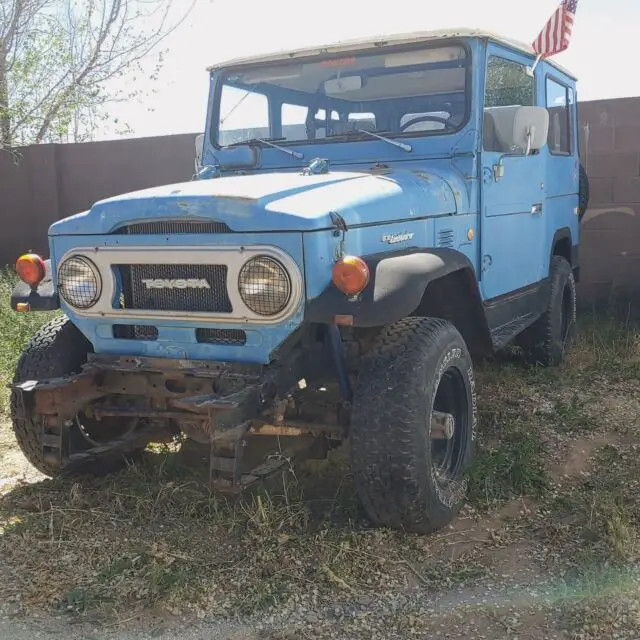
(57, 350)
(409, 474)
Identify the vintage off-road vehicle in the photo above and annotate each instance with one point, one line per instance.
(365, 218)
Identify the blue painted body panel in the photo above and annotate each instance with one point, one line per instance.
(442, 194)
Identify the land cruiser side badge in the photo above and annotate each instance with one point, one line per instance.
(397, 237)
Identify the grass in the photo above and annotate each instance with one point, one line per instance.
(513, 468)
(555, 484)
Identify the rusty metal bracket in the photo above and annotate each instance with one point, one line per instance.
(229, 467)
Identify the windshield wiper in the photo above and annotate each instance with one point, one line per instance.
(401, 145)
(396, 143)
(267, 141)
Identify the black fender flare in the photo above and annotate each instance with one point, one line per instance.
(44, 298)
(573, 255)
(398, 282)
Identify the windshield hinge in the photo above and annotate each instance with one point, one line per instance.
(340, 231)
(339, 222)
(316, 166)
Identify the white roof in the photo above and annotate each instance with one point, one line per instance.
(382, 41)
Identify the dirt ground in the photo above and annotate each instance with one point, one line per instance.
(547, 546)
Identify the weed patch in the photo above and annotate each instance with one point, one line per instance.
(514, 468)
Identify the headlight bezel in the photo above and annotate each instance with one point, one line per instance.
(271, 262)
(60, 284)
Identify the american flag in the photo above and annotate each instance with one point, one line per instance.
(556, 35)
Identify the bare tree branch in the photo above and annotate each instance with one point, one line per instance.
(59, 60)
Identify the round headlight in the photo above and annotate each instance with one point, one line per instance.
(265, 286)
(79, 282)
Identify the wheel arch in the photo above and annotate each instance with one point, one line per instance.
(455, 297)
(562, 245)
(437, 282)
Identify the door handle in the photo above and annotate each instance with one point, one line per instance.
(536, 209)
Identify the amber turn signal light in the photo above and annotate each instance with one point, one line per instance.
(350, 275)
(31, 269)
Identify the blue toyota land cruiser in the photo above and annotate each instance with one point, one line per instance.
(365, 218)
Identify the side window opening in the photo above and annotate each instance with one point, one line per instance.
(294, 121)
(366, 121)
(508, 86)
(316, 125)
(559, 104)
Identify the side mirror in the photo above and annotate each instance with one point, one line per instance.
(520, 129)
(530, 128)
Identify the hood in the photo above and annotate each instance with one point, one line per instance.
(275, 202)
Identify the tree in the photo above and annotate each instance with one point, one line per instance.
(59, 60)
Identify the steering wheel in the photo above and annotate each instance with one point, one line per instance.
(427, 118)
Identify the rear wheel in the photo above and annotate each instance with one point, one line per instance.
(409, 476)
(547, 341)
(59, 349)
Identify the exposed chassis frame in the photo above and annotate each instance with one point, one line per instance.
(220, 404)
(223, 404)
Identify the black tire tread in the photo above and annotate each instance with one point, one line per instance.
(383, 425)
(57, 349)
(539, 340)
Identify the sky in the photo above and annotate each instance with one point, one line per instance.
(603, 53)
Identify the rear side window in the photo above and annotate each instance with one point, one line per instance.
(559, 104)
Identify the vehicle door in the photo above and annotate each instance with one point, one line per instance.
(513, 196)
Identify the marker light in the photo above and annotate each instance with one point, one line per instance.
(31, 269)
(350, 275)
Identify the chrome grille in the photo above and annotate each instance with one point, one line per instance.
(173, 226)
(231, 337)
(171, 295)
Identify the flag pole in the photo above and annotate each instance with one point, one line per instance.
(535, 64)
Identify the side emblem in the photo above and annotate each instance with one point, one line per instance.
(395, 238)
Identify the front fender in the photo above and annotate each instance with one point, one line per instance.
(397, 285)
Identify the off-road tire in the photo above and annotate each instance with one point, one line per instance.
(547, 341)
(57, 349)
(390, 425)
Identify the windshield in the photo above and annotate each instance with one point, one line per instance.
(413, 92)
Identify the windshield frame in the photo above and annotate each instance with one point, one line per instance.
(222, 74)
